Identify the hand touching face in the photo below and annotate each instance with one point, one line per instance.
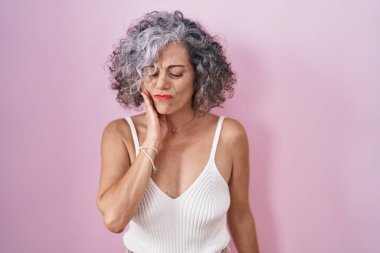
(170, 82)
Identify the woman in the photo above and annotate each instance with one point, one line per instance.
(191, 177)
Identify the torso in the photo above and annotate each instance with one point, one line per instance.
(182, 157)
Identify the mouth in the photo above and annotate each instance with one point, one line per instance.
(163, 97)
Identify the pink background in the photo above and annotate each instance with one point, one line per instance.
(308, 94)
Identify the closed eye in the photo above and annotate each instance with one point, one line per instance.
(170, 74)
(176, 75)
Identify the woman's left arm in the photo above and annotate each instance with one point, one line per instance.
(240, 219)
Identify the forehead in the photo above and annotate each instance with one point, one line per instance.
(173, 54)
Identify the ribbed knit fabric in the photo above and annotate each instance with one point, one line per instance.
(194, 222)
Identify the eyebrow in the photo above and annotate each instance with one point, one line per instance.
(172, 66)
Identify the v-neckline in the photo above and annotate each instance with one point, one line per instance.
(205, 168)
(188, 188)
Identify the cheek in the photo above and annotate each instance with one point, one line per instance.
(148, 85)
(185, 91)
(186, 85)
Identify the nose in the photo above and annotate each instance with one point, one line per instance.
(162, 82)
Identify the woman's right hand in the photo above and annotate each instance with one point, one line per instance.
(157, 127)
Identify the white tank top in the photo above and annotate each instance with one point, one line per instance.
(195, 221)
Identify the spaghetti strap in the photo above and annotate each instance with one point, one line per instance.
(134, 134)
(216, 137)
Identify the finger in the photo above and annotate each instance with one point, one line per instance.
(149, 98)
(143, 95)
(148, 101)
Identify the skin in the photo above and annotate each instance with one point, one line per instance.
(175, 176)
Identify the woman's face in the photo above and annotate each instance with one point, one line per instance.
(173, 75)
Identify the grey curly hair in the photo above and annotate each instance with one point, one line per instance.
(143, 42)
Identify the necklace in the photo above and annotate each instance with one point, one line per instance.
(175, 128)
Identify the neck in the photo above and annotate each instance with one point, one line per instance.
(178, 119)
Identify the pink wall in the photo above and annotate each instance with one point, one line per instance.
(308, 93)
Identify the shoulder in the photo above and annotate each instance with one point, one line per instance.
(117, 127)
(233, 131)
(235, 139)
(117, 137)
(118, 130)
(121, 127)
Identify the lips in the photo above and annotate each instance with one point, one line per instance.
(163, 96)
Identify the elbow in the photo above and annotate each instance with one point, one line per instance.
(114, 225)
(111, 221)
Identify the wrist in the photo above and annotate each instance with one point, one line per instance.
(150, 151)
(151, 143)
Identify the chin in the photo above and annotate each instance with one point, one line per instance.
(164, 110)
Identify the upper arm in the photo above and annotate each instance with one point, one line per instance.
(115, 159)
(239, 181)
